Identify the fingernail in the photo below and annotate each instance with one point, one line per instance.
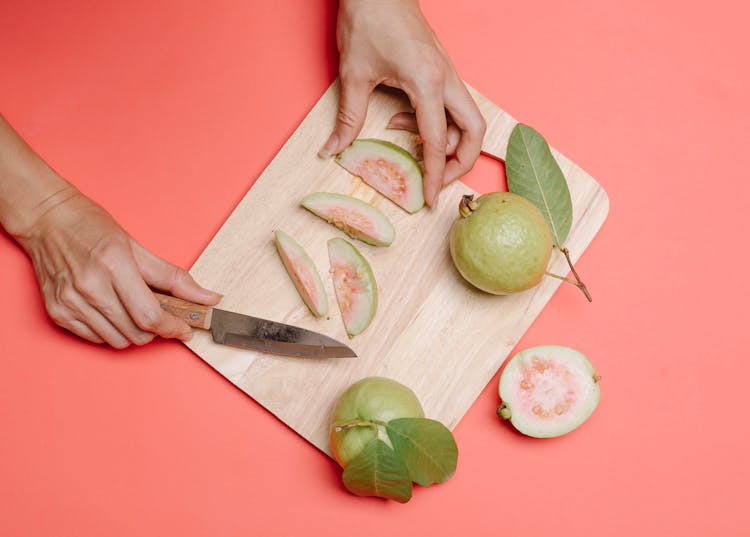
(211, 295)
(186, 336)
(328, 149)
(433, 200)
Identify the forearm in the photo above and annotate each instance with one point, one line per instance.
(28, 186)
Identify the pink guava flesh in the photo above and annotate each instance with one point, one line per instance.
(303, 273)
(548, 390)
(388, 168)
(354, 285)
(355, 217)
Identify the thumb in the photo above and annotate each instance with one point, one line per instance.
(351, 115)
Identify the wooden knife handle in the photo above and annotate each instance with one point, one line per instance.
(196, 315)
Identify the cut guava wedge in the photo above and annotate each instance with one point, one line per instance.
(388, 168)
(303, 273)
(548, 391)
(354, 284)
(353, 216)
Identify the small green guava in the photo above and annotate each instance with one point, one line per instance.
(371, 400)
(501, 243)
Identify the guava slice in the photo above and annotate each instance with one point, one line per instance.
(388, 168)
(548, 391)
(303, 273)
(353, 216)
(354, 284)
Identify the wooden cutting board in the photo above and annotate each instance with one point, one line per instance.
(432, 332)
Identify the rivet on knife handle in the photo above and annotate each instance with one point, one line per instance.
(196, 315)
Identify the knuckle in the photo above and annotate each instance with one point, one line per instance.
(429, 75)
(87, 285)
(465, 168)
(109, 253)
(65, 295)
(108, 308)
(353, 72)
(435, 144)
(143, 338)
(148, 318)
(478, 125)
(347, 117)
(58, 313)
(181, 275)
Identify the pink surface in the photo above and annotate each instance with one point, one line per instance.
(166, 111)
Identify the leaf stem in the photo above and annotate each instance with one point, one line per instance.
(577, 282)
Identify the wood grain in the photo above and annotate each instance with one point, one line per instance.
(195, 315)
(433, 332)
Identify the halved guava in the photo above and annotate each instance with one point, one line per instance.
(353, 216)
(548, 390)
(354, 284)
(303, 273)
(388, 168)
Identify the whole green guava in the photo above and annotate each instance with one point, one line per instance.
(372, 400)
(501, 243)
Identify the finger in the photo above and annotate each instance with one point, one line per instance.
(453, 138)
(142, 307)
(172, 279)
(92, 321)
(72, 311)
(81, 330)
(408, 121)
(355, 95)
(469, 120)
(110, 319)
(431, 119)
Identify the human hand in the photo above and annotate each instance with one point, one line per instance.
(95, 278)
(389, 42)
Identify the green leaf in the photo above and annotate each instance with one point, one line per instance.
(377, 471)
(427, 448)
(534, 174)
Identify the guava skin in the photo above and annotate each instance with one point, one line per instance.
(373, 398)
(501, 245)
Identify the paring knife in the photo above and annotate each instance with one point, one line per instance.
(248, 332)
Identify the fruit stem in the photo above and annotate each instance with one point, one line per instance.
(504, 412)
(467, 205)
(577, 282)
(358, 423)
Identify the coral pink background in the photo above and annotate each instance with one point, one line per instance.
(166, 111)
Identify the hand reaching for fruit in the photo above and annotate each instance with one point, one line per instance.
(390, 42)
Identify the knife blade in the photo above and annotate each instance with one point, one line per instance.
(245, 331)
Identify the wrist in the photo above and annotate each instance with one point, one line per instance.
(348, 5)
(26, 199)
(29, 188)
